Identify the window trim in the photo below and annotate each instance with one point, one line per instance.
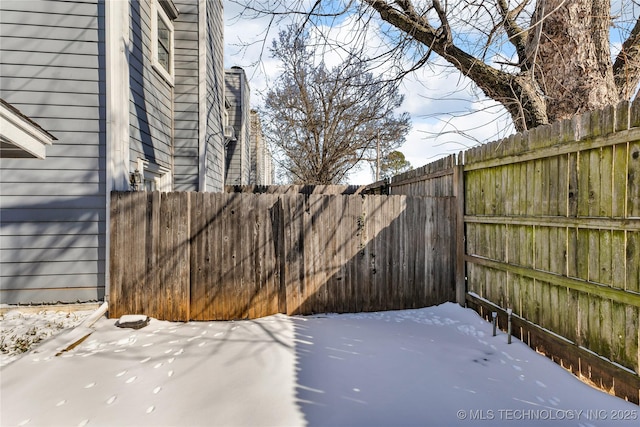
(147, 172)
(158, 12)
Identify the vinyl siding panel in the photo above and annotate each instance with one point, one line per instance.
(53, 210)
(150, 110)
(238, 152)
(36, 45)
(187, 158)
(47, 189)
(215, 96)
(54, 242)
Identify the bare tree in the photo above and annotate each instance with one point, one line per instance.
(542, 60)
(324, 121)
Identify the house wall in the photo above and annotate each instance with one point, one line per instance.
(215, 96)
(150, 96)
(238, 152)
(53, 211)
(186, 97)
(190, 155)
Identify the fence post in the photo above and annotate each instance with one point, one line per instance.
(458, 192)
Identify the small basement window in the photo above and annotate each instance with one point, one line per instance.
(162, 41)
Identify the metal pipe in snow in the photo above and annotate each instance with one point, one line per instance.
(509, 311)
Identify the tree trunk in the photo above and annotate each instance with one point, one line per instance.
(572, 60)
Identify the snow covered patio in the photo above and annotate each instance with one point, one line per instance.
(437, 366)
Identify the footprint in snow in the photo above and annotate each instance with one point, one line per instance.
(145, 360)
(507, 355)
(83, 423)
(24, 422)
(541, 384)
(202, 344)
(157, 365)
(171, 360)
(517, 368)
(119, 374)
(219, 334)
(170, 373)
(157, 390)
(148, 344)
(111, 399)
(130, 380)
(168, 351)
(90, 385)
(62, 402)
(150, 409)
(179, 352)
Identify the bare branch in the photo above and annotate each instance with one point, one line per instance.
(517, 36)
(626, 68)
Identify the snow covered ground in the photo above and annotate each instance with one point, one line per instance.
(436, 366)
(21, 331)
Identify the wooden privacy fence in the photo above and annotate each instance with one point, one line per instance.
(208, 256)
(553, 232)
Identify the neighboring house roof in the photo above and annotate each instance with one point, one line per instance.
(21, 137)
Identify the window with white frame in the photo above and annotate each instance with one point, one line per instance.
(162, 41)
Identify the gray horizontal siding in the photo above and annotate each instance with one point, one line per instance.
(25, 256)
(49, 59)
(50, 242)
(64, 275)
(49, 72)
(73, 8)
(10, 203)
(13, 173)
(59, 228)
(186, 101)
(39, 32)
(42, 213)
(60, 294)
(66, 99)
(52, 189)
(22, 84)
(54, 210)
(36, 45)
(150, 109)
(215, 96)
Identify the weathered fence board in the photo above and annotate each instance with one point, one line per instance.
(205, 256)
(150, 254)
(552, 231)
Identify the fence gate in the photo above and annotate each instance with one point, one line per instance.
(217, 256)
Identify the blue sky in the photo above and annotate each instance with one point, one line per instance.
(431, 94)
